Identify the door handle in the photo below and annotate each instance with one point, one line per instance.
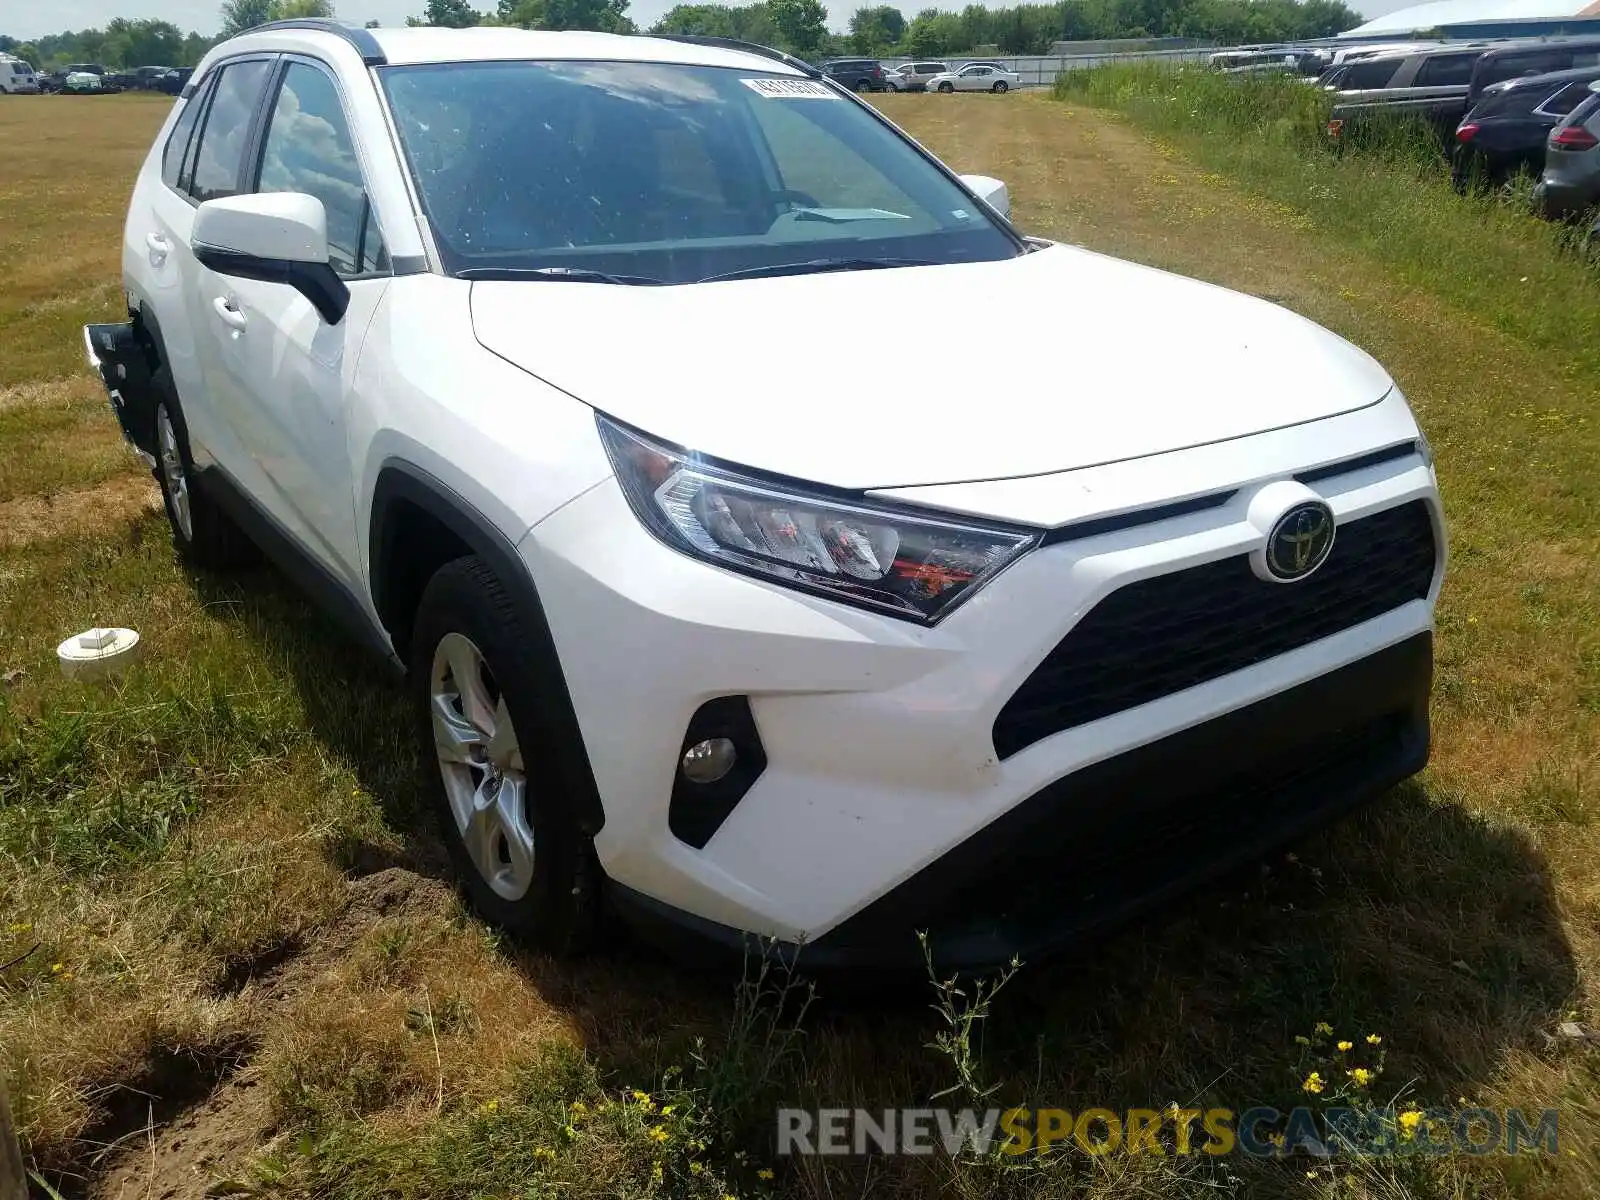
(157, 247)
(230, 315)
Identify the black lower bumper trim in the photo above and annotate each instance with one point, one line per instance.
(1115, 838)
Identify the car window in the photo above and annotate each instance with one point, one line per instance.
(1445, 70)
(1565, 99)
(219, 161)
(1510, 66)
(178, 143)
(1362, 75)
(669, 171)
(308, 148)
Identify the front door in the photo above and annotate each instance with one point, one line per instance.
(287, 370)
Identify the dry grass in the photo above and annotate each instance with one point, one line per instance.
(224, 853)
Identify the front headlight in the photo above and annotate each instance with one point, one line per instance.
(908, 566)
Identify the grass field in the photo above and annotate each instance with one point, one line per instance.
(229, 956)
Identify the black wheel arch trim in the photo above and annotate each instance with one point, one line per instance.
(402, 481)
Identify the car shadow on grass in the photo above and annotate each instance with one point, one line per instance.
(1415, 920)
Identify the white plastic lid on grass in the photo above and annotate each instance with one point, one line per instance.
(96, 653)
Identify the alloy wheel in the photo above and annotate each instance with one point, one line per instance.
(481, 763)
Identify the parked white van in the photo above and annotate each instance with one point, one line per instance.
(16, 75)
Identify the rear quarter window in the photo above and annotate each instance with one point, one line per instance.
(1446, 70)
(1363, 75)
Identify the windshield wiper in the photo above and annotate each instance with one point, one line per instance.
(561, 274)
(817, 266)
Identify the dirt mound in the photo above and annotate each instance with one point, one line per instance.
(193, 1121)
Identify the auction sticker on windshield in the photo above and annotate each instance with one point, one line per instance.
(790, 89)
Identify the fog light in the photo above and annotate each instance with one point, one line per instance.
(709, 761)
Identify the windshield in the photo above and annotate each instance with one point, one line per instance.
(666, 173)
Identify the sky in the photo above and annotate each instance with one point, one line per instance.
(34, 18)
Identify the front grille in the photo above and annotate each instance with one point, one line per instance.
(1161, 635)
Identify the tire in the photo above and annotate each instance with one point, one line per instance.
(513, 839)
(1000, 85)
(201, 532)
(947, 88)
(863, 87)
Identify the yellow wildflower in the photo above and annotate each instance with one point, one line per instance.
(1322, 1027)
(1344, 1047)
(640, 1097)
(489, 1106)
(544, 1154)
(1275, 1139)
(656, 1134)
(1373, 1039)
(1361, 1076)
(656, 1173)
(1300, 1039)
(55, 968)
(1408, 1124)
(580, 1110)
(21, 927)
(666, 1109)
(1313, 1084)
(696, 1167)
(764, 1173)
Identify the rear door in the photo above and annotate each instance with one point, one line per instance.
(285, 370)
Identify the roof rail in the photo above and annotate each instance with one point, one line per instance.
(698, 39)
(365, 44)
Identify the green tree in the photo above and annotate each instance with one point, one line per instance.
(27, 52)
(875, 31)
(450, 14)
(240, 15)
(801, 24)
(607, 16)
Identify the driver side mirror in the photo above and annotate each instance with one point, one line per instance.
(991, 191)
(276, 237)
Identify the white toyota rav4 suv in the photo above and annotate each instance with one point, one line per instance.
(505, 343)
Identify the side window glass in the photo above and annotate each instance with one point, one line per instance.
(178, 143)
(1565, 100)
(219, 161)
(309, 149)
(1443, 70)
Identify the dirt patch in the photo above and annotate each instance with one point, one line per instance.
(52, 393)
(30, 519)
(193, 1121)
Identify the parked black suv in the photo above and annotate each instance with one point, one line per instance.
(1506, 130)
(1530, 58)
(173, 81)
(857, 74)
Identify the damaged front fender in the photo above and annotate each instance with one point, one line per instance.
(120, 359)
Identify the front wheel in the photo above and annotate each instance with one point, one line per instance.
(497, 769)
(1000, 85)
(863, 88)
(947, 87)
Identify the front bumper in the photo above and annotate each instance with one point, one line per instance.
(1120, 837)
(883, 801)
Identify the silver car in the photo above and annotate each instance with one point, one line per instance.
(1571, 180)
(914, 76)
(975, 77)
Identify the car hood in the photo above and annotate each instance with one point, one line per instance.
(1048, 362)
